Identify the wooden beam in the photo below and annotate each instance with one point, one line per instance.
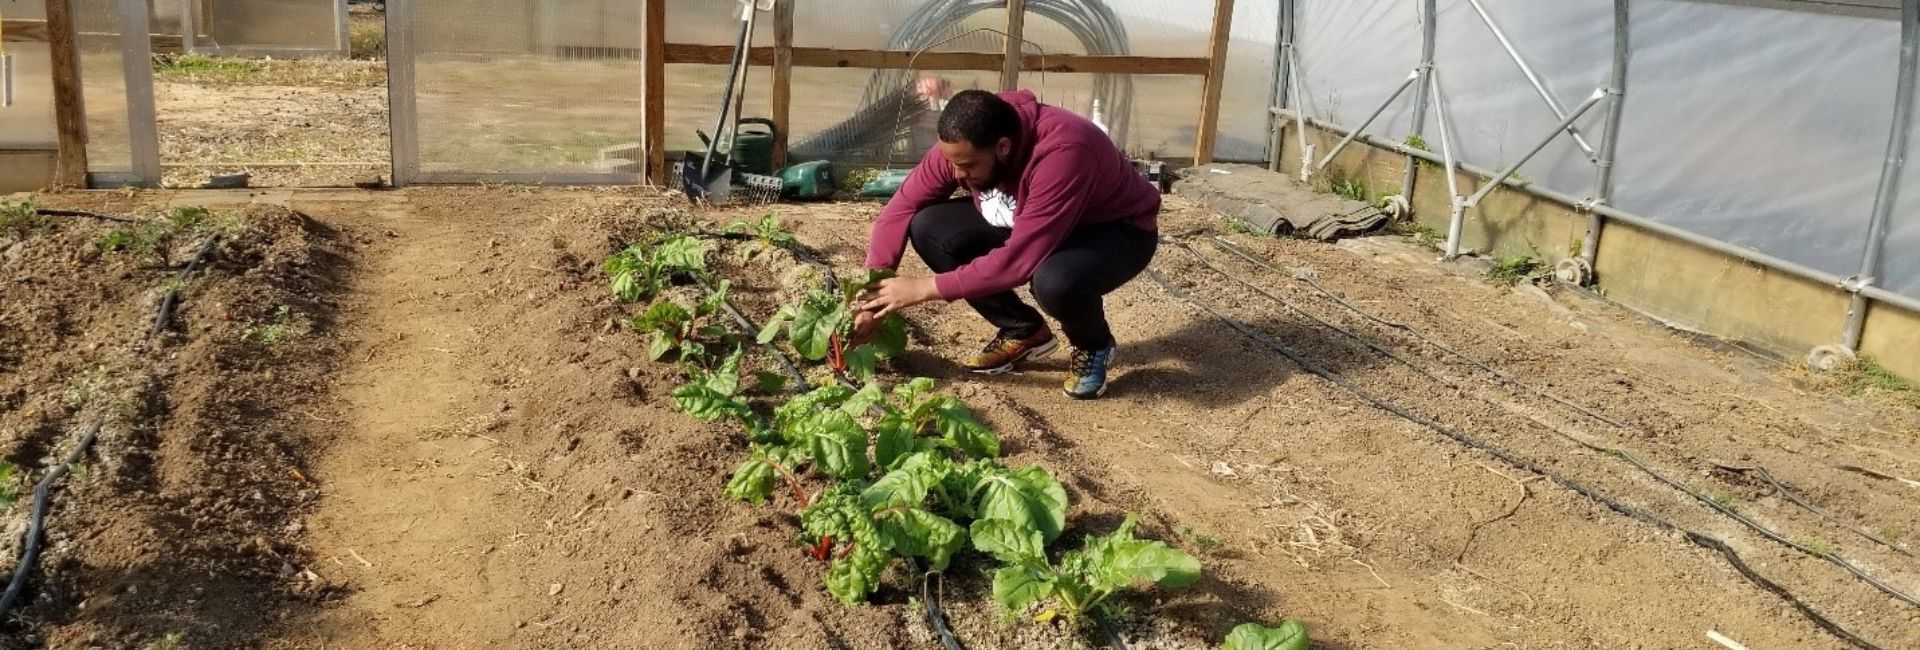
(782, 78)
(1016, 33)
(654, 91)
(169, 44)
(824, 57)
(1216, 81)
(69, 110)
(24, 31)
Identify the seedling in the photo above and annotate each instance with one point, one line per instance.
(766, 232)
(1291, 635)
(1083, 580)
(283, 327)
(20, 220)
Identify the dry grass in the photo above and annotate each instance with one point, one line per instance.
(200, 69)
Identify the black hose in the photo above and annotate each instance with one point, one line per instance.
(746, 327)
(30, 554)
(1631, 459)
(172, 298)
(936, 617)
(83, 213)
(1512, 459)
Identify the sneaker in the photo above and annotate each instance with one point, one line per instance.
(1087, 376)
(1003, 352)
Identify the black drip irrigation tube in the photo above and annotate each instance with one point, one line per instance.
(1739, 564)
(746, 326)
(30, 553)
(1622, 454)
(172, 299)
(83, 213)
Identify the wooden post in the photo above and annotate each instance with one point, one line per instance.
(1216, 80)
(782, 79)
(654, 91)
(1016, 31)
(69, 109)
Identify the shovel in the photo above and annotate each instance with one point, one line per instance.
(702, 176)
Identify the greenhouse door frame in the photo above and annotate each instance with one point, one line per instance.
(59, 32)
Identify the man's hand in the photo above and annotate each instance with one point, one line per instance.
(865, 327)
(893, 295)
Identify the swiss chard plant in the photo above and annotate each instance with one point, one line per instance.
(821, 326)
(640, 271)
(1083, 580)
(766, 232)
(714, 395)
(689, 333)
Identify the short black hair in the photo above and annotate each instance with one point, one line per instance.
(980, 118)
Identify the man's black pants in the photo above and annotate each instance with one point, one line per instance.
(1070, 284)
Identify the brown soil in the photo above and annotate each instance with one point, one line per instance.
(496, 465)
(185, 516)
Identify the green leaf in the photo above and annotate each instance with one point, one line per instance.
(1031, 498)
(1291, 635)
(892, 337)
(9, 486)
(813, 329)
(771, 330)
(1147, 562)
(960, 430)
(709, 405)
(863, 400)
(1008, 542)
(837, 444)
(662, 346)
(863, 362)
(768, 382)
(906, 486)
(914, 532)
(681, 252)
(752, 481)
(853, 579)
(1016, 587)
(893, 440)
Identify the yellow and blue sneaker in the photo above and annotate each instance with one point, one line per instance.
(1087, 375)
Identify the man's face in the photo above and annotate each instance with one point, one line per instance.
(974, 166)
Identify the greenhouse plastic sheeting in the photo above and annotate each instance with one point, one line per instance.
(541, 110)
(1761, 127)
(103, 83)
(1900, 259)
(272, 27)
(28, 123)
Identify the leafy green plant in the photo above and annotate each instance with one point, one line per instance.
(766, 230)
(1511, 271)
(1415, 141)
(678, 330)
(1083, 580)
(1291, 635)
(639, 272)
(713, 396)
(859, 532)
(1866, 375)
(819, 327)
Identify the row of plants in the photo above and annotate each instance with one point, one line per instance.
(881, 474)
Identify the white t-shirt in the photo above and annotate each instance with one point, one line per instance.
(998, 208)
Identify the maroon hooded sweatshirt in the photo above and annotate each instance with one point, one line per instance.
(1065, 173)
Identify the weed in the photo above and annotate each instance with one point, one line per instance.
(1726, 499)
(1420, 234)
(169, 642)
(200, 67)
(1818, 546)
(1239, 227)
(1866, 376)
(91, 387)
(1203, 541)
(283, 327)
(11, 485)
(1350, 189)
(1511, 271)
(20, 220)
(852, 181)
(1416, 142)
